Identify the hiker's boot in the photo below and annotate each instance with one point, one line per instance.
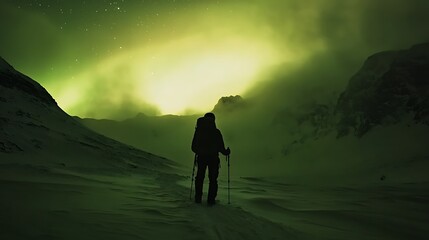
(211, 202)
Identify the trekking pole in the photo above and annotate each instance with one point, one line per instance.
(229, 195)
(192, 179)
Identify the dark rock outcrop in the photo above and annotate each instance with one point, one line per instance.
(228, 104)
(389, 86)
(10, 78)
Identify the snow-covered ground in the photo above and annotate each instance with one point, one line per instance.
(59, 204)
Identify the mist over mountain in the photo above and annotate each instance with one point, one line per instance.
(168, 136)
(358, 133)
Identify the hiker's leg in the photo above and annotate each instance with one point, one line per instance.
(199, 179)
(213, 175)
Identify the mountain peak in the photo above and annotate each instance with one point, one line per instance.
(12, 79)
(5, 66)
(227, 104)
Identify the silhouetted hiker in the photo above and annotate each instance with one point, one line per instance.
(206, 144)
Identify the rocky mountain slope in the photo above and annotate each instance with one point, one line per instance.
(389, 86)
(229, 104)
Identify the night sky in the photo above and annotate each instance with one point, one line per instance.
(114, 59)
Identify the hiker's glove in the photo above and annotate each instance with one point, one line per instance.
(228, 151)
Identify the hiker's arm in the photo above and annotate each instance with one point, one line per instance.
(194, 143)
(222, 145)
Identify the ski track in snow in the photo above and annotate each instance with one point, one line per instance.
(221, 222)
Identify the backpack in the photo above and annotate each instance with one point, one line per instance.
(205, 137)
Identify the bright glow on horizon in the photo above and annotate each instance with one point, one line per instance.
(178, 74)
(182, 77)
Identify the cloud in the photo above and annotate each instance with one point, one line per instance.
(107, 90)
(336, 36)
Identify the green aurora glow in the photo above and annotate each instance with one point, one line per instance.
(114, 59)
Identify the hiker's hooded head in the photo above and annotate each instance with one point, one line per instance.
(209, 119)
(210, 115)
